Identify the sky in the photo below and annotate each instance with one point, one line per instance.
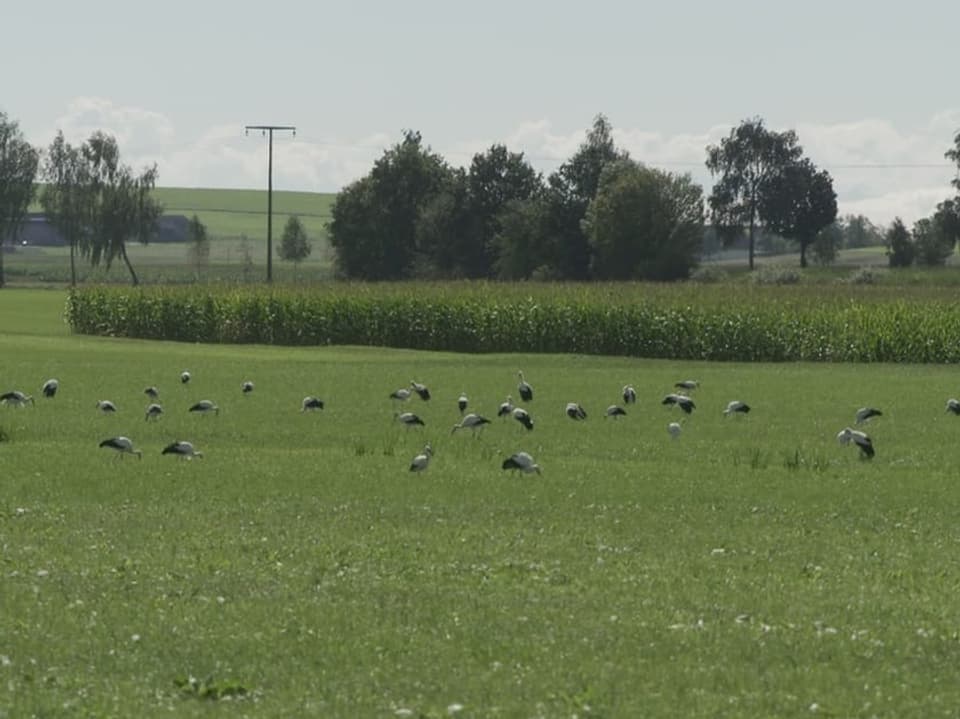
(870, 88)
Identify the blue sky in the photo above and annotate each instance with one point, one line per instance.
(863, 83)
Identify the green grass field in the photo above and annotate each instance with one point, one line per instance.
(753, 567)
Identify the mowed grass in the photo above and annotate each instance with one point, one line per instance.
(753, 567)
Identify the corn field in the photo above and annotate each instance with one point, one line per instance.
(702, 322)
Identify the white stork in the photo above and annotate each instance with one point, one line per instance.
(309, 404)
(50, 388)
(524, 388)
(953, 405)
(462, 402)
(681, 401)
(860, 439)
(674, 429)
(629, 394)
(421, 390)
(204, 406)
(183, 450)
(410, 419)
(422, 460)
(575, 411)
(106, 406)
(505, 407)
(615, 411)
(154, 411)
(473, 422)
(400, 395)
(522, 462)
(184, 377)
(16, 398)
(736, 407)
(687, 384)
(523, 417)
(246, 387)
(865, 413)
(122, 446)
(152, 392)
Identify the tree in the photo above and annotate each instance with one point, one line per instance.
(495, 179)
(569, 191)
(799, 201)
(900, 248)
(18, 170)
(373, 229)
(442, 230)
(294, 247)
(858, 231)
(122, 207)
(747, 162)
(827, 244)
(520, 240)
(644, 223)
(198, 244)
(954, 154)
(66, 197)
(931, 247)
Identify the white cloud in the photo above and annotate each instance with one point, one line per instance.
(869, 159)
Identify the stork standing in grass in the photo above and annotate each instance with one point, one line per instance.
(674, 429)
(15, 398)
(866, 413)
(736, 407)
(246, 387)
(154, 411)
(422, 460)
(524, 389)
(122, 446)
(629, 394)
(152, 392)
(521, 462)
(681, 401)
(421, 389)
(106, 406)
(310, 404)
(523, 417)
(50, 388)
(616, 411)
(185, 377)
(183, 450)
(575, 411)
(409, 419)
(505, 407)
(462, 402)
(688, 385)
(860, 439)
(205, 406)
(473, 422)
(953, 405)
(401, 395)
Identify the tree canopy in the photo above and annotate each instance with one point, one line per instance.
(295, 246)
(19, 161)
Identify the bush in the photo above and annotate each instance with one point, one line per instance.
(865, 276)
(708, 274)
(775, 275)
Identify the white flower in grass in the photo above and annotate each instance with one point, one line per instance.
(454, 708)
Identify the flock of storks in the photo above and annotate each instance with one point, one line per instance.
(520, 461)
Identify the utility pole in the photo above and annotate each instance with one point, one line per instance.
(268, 131)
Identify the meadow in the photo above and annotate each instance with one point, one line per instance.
(753, 567)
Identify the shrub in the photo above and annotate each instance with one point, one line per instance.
(708, 274)
(775, 275)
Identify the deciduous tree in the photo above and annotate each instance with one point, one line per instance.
(18, 170)
(295, 246)
(900, 248)
(798, 202)
(747, 162)
(198, 244)
(66, 197)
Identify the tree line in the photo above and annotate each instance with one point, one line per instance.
(601, 215)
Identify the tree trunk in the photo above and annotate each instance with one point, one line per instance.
(752, 228)
(1, 262)
(803, 253)
(73, 265)
(126, 260)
